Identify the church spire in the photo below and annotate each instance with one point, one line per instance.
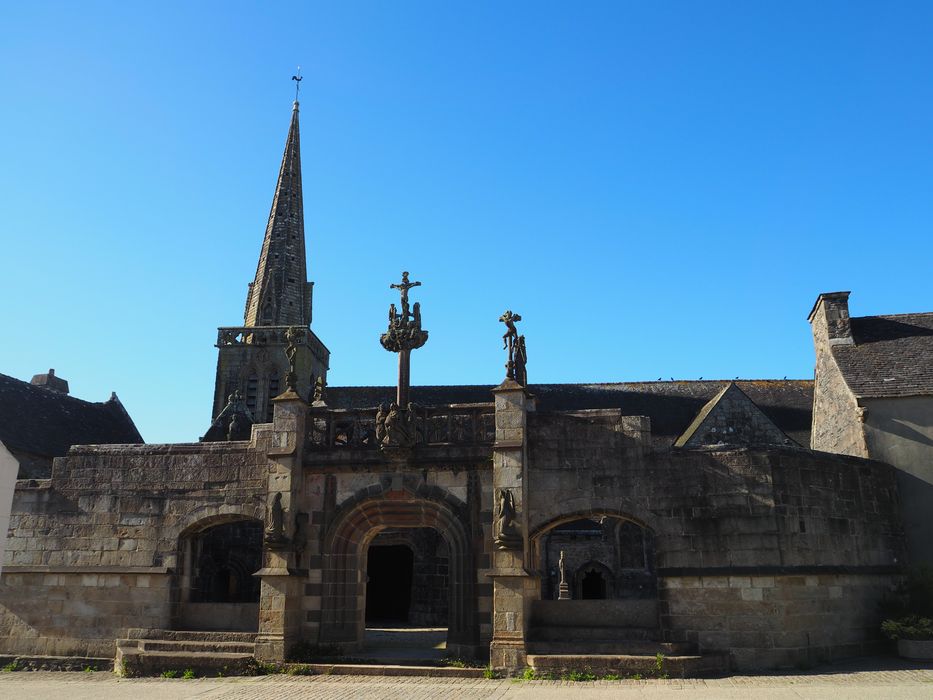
(280, 295)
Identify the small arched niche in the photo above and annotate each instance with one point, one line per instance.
(215, 585)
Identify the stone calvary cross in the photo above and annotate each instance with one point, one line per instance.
(404, 335)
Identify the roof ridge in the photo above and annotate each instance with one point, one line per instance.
(913, 313)
(52, 392)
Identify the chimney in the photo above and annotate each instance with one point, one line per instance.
(50, 381)
(829, 319)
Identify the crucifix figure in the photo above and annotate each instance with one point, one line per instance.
(403, 288)
(404, 335)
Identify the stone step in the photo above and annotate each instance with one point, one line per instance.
(393, 670)
(680, 666)
(190, 635)
(624, 647)
(132, 662)
(204, 647)
(562, 633)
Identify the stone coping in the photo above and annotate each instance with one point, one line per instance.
(162, 449)
(98, 569)
(801, 570)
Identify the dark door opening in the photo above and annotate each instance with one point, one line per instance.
(388, 589)
(593, 586)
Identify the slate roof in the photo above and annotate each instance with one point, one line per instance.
(892, 356)
(671, 406)
(46, 423)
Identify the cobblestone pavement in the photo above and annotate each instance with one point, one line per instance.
(885, 678)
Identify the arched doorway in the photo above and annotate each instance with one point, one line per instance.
(407, 578)
(400, 519)
(390, 575)
(215, 585)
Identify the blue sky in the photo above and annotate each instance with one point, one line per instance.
(660, 189)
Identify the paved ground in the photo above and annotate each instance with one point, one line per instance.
(387, 643)
(863, 679)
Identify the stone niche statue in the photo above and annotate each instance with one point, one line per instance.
(275, 529)
(505, 533)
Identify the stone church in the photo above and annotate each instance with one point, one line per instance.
(723, 524)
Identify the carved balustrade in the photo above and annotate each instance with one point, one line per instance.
(462, 424)
(258, 335)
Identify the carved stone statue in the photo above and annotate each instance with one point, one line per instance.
(403, 287)
(275, 530)
(236, 427)
(511, 332)
(521, 358)
(293, 337)
(506, 535)
(396, 428)
(403, 335)
(234, 422)
(319, 386)
(563, 589)
(515, 343)
(381, 414)
(404, 332)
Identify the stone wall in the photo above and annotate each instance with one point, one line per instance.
(728, 524)
(776, 620)
(836, 424)
(900, 431)
(95, 549)
(8, 470)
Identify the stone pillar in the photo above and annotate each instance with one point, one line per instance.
(281, 589)
(513, 586)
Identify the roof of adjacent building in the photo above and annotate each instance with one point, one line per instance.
(891, 356)
(46, 422)
(671, 405)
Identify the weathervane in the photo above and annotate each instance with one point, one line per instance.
(297, 79)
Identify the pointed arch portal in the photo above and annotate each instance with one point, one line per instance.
(346, 547)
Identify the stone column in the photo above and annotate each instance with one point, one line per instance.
(280, 592)
(513, 587)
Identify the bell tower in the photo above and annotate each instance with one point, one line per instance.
(251, 357)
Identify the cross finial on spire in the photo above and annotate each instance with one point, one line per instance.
(297, 79)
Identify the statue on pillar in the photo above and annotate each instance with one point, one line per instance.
(515, 344)
(506, 535)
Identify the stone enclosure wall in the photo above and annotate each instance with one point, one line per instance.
(94, 550)
(776, 554)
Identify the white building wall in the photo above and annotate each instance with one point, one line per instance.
(8, 470)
